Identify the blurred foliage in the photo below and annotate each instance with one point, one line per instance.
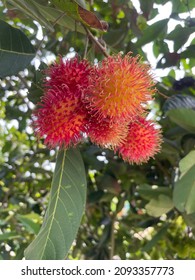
(132, 212)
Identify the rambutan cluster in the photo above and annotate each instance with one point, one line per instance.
(107, 102)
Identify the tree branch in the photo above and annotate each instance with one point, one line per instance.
(90, 35)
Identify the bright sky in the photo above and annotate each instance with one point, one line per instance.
(165, 12)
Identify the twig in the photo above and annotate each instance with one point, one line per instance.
(90, 35)
(23, 81)
(188, 7)
(163, 95)
(54, 23)
(86, 47)
(164, 170)
(112, 238)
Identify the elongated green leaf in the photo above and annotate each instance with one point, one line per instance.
(77, 12)
(150, 244)
(157, 207)
(153, 192)
(65, 209)
(180, 6)
(189, 52)
(184, 118)
(69, 6)
(16, 51)
(146, 7)
(179, 101)
(81, 3)
(59, 17)
(184, 192)
(187, 162)
(9, 236)
(30, 221)
(180, 35)
(190, 220)
(29, 8)
(152, 32)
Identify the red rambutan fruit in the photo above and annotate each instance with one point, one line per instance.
(105, 133)
(119, 87)
(59, 119)
(142, 142)
(72, 73)
(61, 115)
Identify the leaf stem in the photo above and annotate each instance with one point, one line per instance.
(54, 23)
(90, 36)
(86, 47)
(163, 95)
(23, 81)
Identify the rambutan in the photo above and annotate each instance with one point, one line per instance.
(72, 73)
(61, 115)
(105, 133)
(119, 87)
(142, 142)
(59, 119)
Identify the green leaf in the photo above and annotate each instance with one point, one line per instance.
(189, 52)
(153, 192)
(184, 192)
(152, 32)
(179, 101)
(180, 35)
(81, 3)
(146, 7)
(115, 37)
(150, 244)
(9, 236)
(169, 147)
(190, 220)
(65, 209)
(16, 51)
(36, 91)
(29, 8)
(187, 162)
(184, 118)
(69, 6)
(30, 221)
(59, 17)
(77, 12)
(159, 206)
(179, 6)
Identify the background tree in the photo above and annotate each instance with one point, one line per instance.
(133, 211)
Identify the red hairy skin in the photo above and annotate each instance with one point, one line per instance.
(72, 73)
(106, 133)
(59, 118)
(119, 87)
(142, 142)
(61, 115)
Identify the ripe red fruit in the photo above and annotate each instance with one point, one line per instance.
(142, 142)
(105, 133)
(119, 87)
(61, 115)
